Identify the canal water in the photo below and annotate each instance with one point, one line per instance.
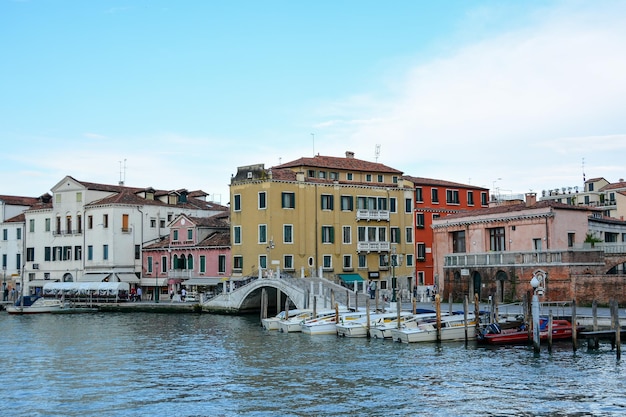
(142, 364)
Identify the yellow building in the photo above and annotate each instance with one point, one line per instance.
(341, 217)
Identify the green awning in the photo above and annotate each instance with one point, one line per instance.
(350, 277)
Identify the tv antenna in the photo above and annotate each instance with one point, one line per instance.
(377, 151)
(122, 172)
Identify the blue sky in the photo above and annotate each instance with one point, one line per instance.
(177, 94)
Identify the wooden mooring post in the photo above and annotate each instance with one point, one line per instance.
(465, 314)
(574, 327)
(438, 312)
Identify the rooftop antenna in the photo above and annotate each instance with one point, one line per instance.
(584, 170)
(377, 151)
(122, 172)
(313, 136)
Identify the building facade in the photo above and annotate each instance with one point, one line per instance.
(343, 218)
(435, 199)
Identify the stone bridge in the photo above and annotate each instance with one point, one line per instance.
(301, 293)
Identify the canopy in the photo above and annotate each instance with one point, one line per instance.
(350, 277)
(127, 277)
(86, 286)
(95, 277)
(204, 281)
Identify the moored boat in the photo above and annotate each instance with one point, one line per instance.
(293, 323)
(494, 334)
(383, 330)
(327, 325)
(32, 304)
(452, 328)
(271, 323)
(359, 327)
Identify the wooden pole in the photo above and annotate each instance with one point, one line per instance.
(618, 333)
(287, 308)
(399, 307)
(314, 306)
(376, 296)
(465, 309)
(574, 330)
(594, 342)
(367, 311)
(550, 331)
(450, 303)
(347, 298)
(263, 304)
(332, 298)
(476, 310)
(414, 305)
(438, 310)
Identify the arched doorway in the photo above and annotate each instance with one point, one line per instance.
(67, 277)
(501, 278)
(476, 284)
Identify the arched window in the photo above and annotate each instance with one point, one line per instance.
(175, 262)
(190, 262)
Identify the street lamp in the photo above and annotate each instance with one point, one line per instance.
(394, 281)
(537, 282)
(156, 282)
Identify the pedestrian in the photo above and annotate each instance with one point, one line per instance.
(183, 294)
(138, 293)
(5, 295)
(171, 295)
(13, 294)
(372, 290)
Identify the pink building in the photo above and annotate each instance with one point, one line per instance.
(195, 255)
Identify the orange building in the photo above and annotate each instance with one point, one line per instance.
(435, 199)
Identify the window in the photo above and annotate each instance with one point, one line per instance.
(327, 202)
(458, 241)
(262, 233)
(48, 226)
(68, 224)
(327, 262)
(496, 239)
(78, 253)
(362, 261)
(347, 203)
(346, 233)
(105, 252)
(409, 259)
(237, 202)
(408, 205)
(421, 251)
(393, 206)
(18, 261)
(288, 200)
(394, 234)
(189, 234)
(408, 234)
(287, 233)
(202, 263)
(321, 174)
(436, 216)
(537, 244)
(137, 251)
(237, 235)
(311, 173)
(419, 220)
(288, 262)
(90, 253)
(31, 225)
(105, 220)
(57, 198)
(79, 196)
(590, 186)
(238, 263)
(418, 195)
(175, 235)
(383, 261)
(470, 198)
(349, 176)
(263, 261)
(221, 264)
(334, 176)
(262, 200)
(18, 232)
(368, 178)
(381, 203)
(47, 254)
(79, 223)
(483, 198)
(347, 262)
(571, 238)
(328, 234)
(58, 225)
(380, 178)
(30, 254)
(394, 179)
(4, 260)
(434, 195)
(452, 196)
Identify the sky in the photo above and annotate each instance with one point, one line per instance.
(507, 95)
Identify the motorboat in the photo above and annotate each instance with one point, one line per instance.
(271, 323)
(328, 325)
(494, 334)
(293, 323)
(33, 304)
(453, 327)
(359, 327)
(383, 330)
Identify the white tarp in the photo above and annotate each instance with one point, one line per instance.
(84, 287)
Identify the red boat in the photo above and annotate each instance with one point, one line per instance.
(494, 335)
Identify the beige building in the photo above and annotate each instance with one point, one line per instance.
(340, 217)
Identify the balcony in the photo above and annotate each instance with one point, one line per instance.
(377, 215)
(574, 256)
(373, 246)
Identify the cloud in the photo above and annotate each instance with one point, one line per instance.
(505, 106)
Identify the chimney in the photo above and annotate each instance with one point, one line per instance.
(349, 154)
(531, 199)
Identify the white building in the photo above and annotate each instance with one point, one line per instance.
(96, 232)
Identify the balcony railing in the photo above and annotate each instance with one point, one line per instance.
(569, 257)
(368, 215)
(373, 246)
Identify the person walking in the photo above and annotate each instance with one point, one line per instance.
(138, 293)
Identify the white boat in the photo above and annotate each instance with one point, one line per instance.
(452, 328)
(383, 330)
(271, 323)
(327, 325)
(359, 327)
(293, 324)
(34, 304)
